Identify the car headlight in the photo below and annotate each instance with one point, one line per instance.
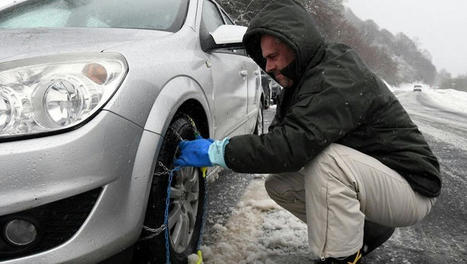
(57, 92)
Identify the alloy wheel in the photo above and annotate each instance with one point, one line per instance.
(184, 195)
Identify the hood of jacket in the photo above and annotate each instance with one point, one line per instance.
(291, 23)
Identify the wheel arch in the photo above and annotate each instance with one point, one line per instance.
(195, 110)
(180, 95)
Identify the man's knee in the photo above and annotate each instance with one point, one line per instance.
(325, 164)
(288, 191)
(273, 186)
(281, 188)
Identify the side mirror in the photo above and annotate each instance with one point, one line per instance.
(227, 36)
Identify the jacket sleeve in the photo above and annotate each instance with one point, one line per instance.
(318, 118)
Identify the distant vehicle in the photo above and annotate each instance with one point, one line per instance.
(417, 88)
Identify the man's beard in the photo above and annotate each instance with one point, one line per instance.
(283, 80)
(289, 73)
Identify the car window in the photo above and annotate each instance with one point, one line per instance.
(212, 18)
(144, 14)
(227, 19)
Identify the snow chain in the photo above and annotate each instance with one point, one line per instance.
(164, 228)
(205, 207)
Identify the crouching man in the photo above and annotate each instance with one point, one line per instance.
(341, 149)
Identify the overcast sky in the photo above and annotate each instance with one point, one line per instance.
(439, 26)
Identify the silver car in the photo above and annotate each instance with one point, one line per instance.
(94, 97)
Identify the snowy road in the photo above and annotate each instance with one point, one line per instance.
(443, 122)
(245, 226)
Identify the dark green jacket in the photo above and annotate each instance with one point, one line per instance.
(335, 99)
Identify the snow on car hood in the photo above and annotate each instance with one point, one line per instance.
(25, 43)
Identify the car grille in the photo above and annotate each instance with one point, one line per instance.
(56, 222)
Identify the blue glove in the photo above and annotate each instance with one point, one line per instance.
(194, 153)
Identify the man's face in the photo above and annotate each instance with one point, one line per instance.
(278, 55)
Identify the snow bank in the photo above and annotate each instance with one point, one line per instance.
(447, 98)
(236, 241)
(4, 3)
(259, 231)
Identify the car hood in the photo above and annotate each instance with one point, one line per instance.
(25, 43)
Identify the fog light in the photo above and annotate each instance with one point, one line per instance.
(20, 232)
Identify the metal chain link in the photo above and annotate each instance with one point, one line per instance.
(166, 214)
(156, 231)
(205, 204)
(153, 232)
(177, 134)
(165, 171)
(164, 227)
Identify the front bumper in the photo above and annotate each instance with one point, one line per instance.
(109, 152)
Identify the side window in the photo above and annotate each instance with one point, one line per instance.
(212, 18)
(227, 19)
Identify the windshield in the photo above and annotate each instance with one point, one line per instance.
(167, 15)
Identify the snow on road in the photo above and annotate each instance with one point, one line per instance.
(4, 3)
(439, 113)
(259, 231)
(447, 98)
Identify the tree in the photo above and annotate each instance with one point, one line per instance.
(242, 11)
(395, 58)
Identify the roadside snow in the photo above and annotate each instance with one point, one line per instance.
(4, 3)
(439, 113)
(259, 231)
(447, 98)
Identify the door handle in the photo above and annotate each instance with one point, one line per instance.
(244, 73)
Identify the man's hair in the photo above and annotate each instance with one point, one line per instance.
(276, 39)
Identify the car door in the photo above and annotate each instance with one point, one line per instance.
(253, 75)
(254, 92)
(229, 79)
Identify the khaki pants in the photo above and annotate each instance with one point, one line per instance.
(336, 191)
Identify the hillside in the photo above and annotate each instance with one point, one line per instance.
(395, 58)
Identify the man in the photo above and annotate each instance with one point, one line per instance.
(341, 148)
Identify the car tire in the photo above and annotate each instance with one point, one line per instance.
(186, 207)
(259, 127)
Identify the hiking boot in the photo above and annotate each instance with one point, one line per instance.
(374, 235)
(352, 259)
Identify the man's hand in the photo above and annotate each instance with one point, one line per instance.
(194, 153)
